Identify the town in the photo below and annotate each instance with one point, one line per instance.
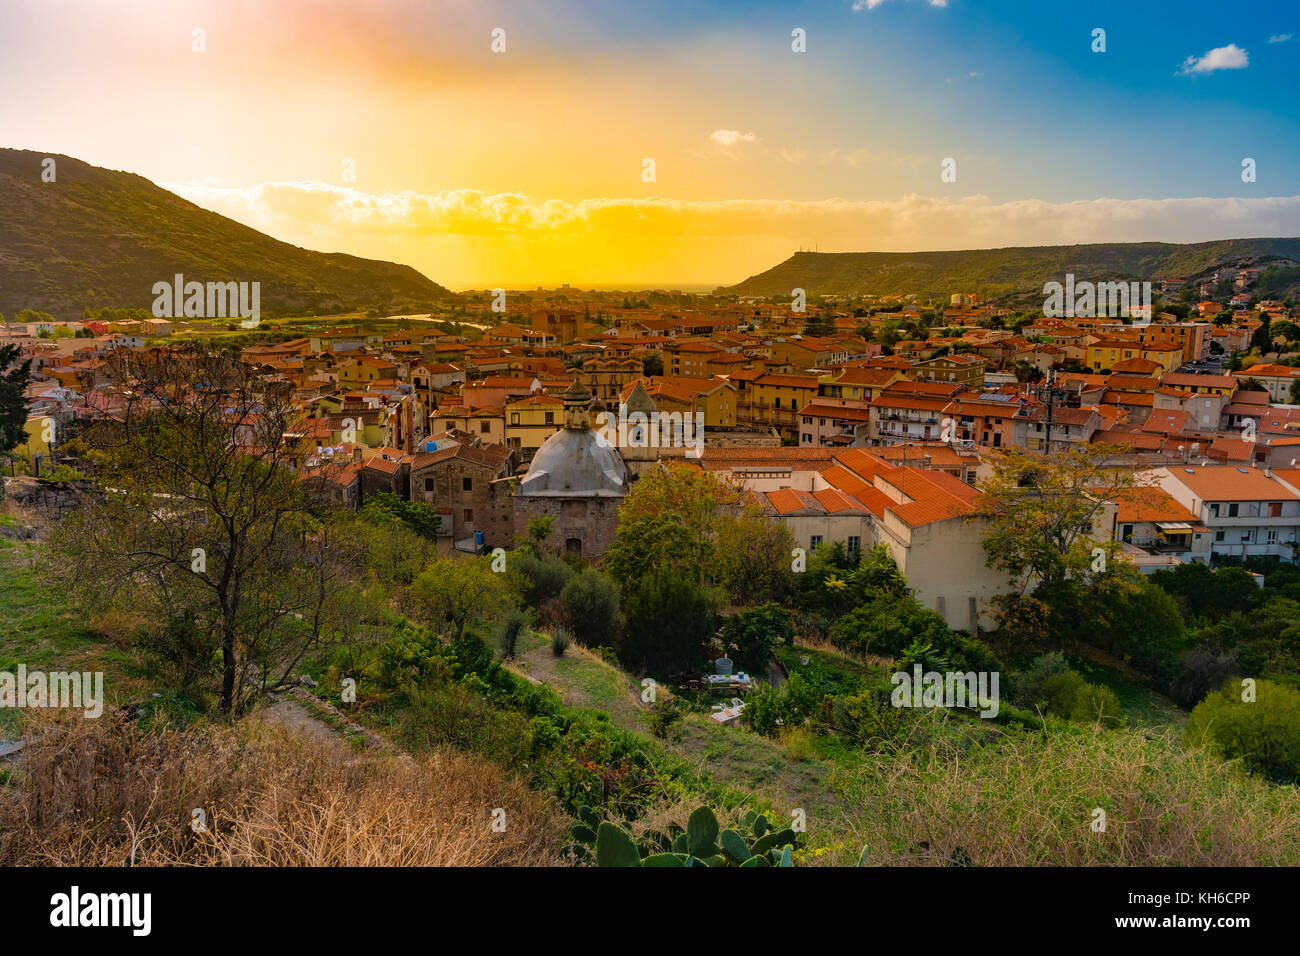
(866, 422)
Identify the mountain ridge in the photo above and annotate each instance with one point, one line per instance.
(1011, 271)
(97, 237)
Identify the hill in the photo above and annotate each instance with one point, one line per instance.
(1010, 273)
(97, 237)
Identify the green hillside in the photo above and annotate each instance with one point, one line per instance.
(1008, 272)
(97, 237)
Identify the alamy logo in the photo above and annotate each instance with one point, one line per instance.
(102, 909)
(626, 429)
(215, 300)
(82, 691)
(1083, 299)
(949, 689)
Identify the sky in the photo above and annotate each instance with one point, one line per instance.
(673, 143)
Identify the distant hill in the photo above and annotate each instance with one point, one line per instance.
(1010, 274)
(96, 237)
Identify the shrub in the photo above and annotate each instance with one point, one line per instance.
(1095, 704)
(665, 716)
(561, 638)
(1029, 685)
(797, 742)
(1203, 669)
(1264, 733)
(537, 579)
(1060, 691)
(750, 636)
(511, 627)
(591, 602)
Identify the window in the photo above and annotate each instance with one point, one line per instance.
(1232, 510)
(1218, 536)
(816, 541)
(550, 418)
(514, 418)
(484, 426)
(855, 544)
(1214, 509)
(807, 438)
(1126, 533)
(467, 484)
(1270, 536)
(469, 514)
(1275, 509)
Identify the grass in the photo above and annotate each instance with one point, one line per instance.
(105, 793)
(1142, 706)
(39, 630)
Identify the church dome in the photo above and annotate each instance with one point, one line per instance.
(575, 462)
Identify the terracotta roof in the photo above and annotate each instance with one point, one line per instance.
(1230, 483)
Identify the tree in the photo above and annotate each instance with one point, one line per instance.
(670, 622)
(669, 520)
(591, 600)
(457, 591)
(749, 637)
(1264, 732)
(653, 364)
(14, 378)
(200, 518)
(1043, 512)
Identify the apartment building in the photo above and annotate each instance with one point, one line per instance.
(1248, 511)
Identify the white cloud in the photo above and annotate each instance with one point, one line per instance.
(731, 137)
(469, 238)
(1230, 57)
(1279, 38)
(912, 222)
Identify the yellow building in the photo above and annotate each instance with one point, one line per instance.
(775, 401)
(530, 421)
(1104, 354)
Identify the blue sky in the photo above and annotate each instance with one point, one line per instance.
(482, 169)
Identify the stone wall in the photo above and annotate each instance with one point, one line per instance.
(41, 503)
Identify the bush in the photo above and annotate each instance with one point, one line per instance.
(511, 627)
(1203, 669)
(1263, 733)
(561, 638)
(665, 716)
(1029, 685)
(537, 579)
(1067, 694)
(750, 637)
(1095, 704)
(797, 742)
(591, 602)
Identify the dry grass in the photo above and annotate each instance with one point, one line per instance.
(100, 793)
(1030, 802)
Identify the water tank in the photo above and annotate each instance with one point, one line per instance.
(723, 665)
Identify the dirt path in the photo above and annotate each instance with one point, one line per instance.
(728, 754)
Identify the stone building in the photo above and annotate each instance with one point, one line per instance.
(578, 479)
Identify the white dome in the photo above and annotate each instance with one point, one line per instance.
(574, 462)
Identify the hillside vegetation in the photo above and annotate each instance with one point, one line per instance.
(1008, 272)
(97, 237)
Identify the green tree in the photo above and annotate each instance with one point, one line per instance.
(458, 592)
(201, 517)
(749, 637)
(14, 379)
(670, 622)
(592, 602)
(1264, 732)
